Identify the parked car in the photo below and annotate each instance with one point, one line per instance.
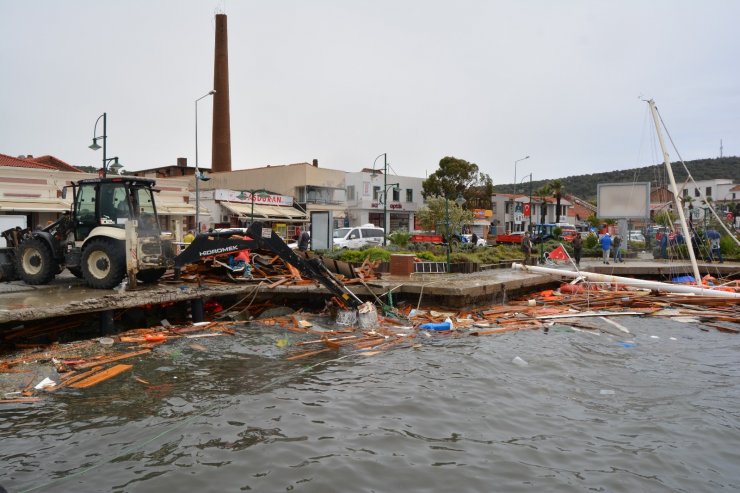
(367, 234)
(469, 238)
(636, 236)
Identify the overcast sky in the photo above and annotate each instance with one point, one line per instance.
(343, 81)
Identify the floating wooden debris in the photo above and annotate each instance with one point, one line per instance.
(101, 376)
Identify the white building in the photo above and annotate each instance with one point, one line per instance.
(367, 201)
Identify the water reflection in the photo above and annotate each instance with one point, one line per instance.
(585, 413)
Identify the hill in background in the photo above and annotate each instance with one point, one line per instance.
(584, 186)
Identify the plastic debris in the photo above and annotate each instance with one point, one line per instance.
(519, 361)
(606, 392)
(45, 383)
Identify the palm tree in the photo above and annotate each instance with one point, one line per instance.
(543, 192)
(556, 188)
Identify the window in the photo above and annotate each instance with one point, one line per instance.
(696, 192)
(685, 192)
(709, 192)
(351, 192)
(376, 193)
(372, 233)
(409, 195)
(396, 194)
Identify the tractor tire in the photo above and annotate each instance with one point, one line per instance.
(34, 262)
(150, 276)
(103, 263)
(76, 271)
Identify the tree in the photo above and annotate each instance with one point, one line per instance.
(433, 216)
(556, 186)
(593, 221)
(664, 218)
(457, 176)
(543, 192)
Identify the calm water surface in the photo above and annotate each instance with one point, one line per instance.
(585, 413)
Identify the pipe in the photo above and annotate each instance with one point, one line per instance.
(639, 283)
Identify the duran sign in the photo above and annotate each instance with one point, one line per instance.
(245, 197)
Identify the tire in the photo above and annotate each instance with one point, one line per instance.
(150, 276)
(76, 271)
(34, 262)
(103, 263)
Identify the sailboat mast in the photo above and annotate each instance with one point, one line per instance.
(674, 188)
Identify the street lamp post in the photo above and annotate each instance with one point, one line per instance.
(95, 146)
(385, 191)
(515, 183)
(198, 175)
(529, 219)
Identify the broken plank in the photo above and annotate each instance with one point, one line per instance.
(307, 353)
(111, 359)
(101, 376)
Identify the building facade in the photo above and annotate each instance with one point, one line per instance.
(367, 202)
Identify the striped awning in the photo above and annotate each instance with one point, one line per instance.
(268, 212)
(33, 205)
(178, 209)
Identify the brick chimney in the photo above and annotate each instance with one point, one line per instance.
(182, 162)
(315, 163)
(221, 143)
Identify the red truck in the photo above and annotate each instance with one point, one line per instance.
(510, 238)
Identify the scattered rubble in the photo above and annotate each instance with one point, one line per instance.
(84, 364)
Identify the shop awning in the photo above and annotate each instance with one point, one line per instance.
(33, 205)
(268, 212)
(178, 209)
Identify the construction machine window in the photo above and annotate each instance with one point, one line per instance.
(144, 204)
(114, 208)
(85, 218)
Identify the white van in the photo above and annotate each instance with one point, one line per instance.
(367, 234)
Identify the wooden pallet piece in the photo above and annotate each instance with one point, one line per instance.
(101, 376)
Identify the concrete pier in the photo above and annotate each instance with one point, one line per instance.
(67, 295)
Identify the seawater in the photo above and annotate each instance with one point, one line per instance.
(637, 412)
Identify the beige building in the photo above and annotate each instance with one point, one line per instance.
(312, 188)
(37, 195)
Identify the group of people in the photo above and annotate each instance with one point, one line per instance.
(607, 244)
(698, 243)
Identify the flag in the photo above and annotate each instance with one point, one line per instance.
(559, 254)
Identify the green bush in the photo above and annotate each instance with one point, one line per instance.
(429, 256)
(400, 238)
(591, 241)
(359, 256)
(463, 257)
(729, 247)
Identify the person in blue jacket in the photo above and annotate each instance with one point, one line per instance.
(606, 245)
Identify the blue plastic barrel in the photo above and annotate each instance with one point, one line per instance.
(439, 326)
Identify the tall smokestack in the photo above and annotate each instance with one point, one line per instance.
(221, 145)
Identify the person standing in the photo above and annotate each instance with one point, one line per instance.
(474, 240)
(716, 249)
(303, 240)
(606, 244)
(189, 237)
(617, 243)
(527, 248)
(577, 249)
(664, 246)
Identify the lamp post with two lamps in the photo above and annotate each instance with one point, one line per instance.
(252, 193)
(385, 192)
(199, 176)
(515, 184)
(95, 146)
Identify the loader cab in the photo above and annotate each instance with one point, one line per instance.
(113, 202)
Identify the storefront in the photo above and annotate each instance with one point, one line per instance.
(241, 209)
